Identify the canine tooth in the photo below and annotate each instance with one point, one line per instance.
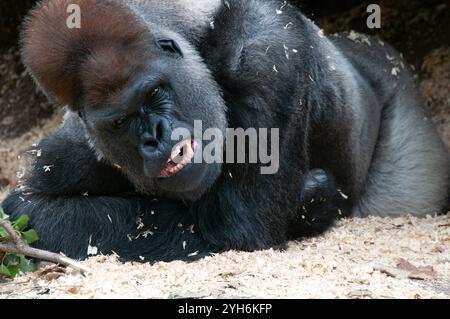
(175, 152)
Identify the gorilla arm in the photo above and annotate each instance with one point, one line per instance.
(74, 201)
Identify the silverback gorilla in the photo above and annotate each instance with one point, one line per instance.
(354, 139)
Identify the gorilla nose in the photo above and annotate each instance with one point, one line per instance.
(153, 137)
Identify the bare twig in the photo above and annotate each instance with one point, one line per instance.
(18, 246)
(12, 232)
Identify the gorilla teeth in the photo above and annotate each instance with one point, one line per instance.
(182, 155)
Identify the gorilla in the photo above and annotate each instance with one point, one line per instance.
(354, 139)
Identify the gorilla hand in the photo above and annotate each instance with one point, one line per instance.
(322, 204)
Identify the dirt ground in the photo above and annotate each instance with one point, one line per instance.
(360, 258)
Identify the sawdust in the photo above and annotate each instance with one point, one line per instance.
(344, 263)
(12, 148)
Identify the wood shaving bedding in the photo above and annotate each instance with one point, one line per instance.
(352, 260)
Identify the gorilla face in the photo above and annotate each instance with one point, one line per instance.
(131, 121)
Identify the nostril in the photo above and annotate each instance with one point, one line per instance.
(159, 131)
(154, 136)
(149, 143)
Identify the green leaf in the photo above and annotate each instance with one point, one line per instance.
(3, 234)
(26, 265)
(13, 270)
(9, 271)
(11, 260)
(30, 236)
(2, 214)
(21, 223)
(4, 271)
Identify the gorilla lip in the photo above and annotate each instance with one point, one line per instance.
(182, 154)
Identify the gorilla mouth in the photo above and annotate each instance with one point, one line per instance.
(182, 155)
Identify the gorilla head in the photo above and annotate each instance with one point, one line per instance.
(132, 84)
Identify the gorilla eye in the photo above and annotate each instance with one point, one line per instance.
(120, 121)
(154, 92)
(154, 95)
